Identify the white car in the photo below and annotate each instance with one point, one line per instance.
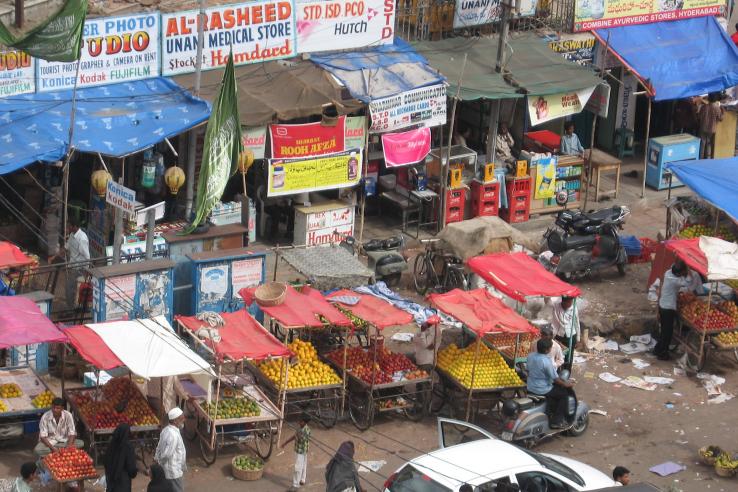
(470, 455)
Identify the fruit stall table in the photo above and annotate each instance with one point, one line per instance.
(306, 321)
(477, 373)
(239, 410)
(703, 324)
(379, 381)
(148, 348)
(69, 467)
(23, 323)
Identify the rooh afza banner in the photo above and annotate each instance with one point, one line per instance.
(17, 73)
(310, 139)
(256, 31)
(114, 49)
(328, 25)
(410, 147)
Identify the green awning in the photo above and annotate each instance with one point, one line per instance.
(532, 68)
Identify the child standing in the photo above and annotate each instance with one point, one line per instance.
(302, 445)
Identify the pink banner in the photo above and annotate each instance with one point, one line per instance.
(401, 149)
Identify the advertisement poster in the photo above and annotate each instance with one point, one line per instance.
(254, 139)
(425, 106)
(114, 49)
(246, 273)
(577, 48)
(327, 24)
(355, 128)
(545, 178)
(310, 139)
(476, 12)
(119, 296)
(601, 14)
(290, 176)
(17, 73)
(213, 283)
(153, 291)
(256, 31)
(626, 102)
(410, 147)
(549, 107)
(599, 101)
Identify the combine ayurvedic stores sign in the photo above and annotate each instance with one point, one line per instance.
(599, 14)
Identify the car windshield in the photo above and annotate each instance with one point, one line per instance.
(555, 466)
(410, 479)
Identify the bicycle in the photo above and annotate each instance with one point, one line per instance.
(426, 277)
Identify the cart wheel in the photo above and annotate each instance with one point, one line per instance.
(361, 410)
(208, 455)
(326, 408)
(190, 424)
(418, 411)
(264, 441)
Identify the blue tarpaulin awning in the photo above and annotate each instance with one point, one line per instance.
(380, 71)
(676, 59)
(715, 180)
(113, 120)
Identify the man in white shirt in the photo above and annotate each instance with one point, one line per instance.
(556, 354)
(565, 323)
(170, 452)
(56, 430)
(426, 343)
(78, 255)
(675, 279)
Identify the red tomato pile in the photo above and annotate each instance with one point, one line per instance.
(118, 393)
(68, 464)
(696, 312)
(361, 363)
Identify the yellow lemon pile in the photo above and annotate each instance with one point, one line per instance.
(491, 370)
(10, 390)
(307, 372)
(3, 407)
(43, 400)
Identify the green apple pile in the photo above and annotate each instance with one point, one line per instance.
(247, 463)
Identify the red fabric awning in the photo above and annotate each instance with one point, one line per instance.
(481, 312)
(23, 323)
(92, 348)
(301, 309)
(687, 250)
(373, 310)
(11, 256)
(519, 276)
(242, 337)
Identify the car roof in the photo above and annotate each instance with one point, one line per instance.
(471, 462)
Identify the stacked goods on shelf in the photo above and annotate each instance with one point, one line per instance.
(702, 316)
(698, 230)
(121, 402)
(490, 370)
(505, 343)
(389, 366)
(69, 464)
(307, 372)
(43, 400)
(235, 407)
(10, 390)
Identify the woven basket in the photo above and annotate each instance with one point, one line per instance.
(270, 294)
(247, 475)
(722, 345)
(724, 472)
(707, 460)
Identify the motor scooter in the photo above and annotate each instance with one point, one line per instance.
(527, 420)
(384, 257)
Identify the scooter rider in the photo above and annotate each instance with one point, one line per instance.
(543, 380)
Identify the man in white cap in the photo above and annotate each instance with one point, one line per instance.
(170, 453)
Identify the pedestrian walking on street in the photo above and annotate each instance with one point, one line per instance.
(159, 482)
(170, 452)
(120, 461)
(708, 116)
(302, 446)
(341, 474)
(78, 255)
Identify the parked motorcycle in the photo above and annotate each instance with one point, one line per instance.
(384, 256)
(583, 243)
(527, 420)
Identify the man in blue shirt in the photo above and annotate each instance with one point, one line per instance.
(570, 144)
(543, 380)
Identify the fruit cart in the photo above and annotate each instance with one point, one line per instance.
(305, 321)
(474, 379)
(237, 410)
(148, 348)
(379, 381)
(705, 323)
(69, 467)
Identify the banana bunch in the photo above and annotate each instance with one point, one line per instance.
(725, 460)
(710, 452)
(355, 320)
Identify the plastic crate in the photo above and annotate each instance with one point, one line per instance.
(518, 186)
(648, 248)
(631, 244)
(515, 216)
(454, 214)
(484, 209)
(485, 198)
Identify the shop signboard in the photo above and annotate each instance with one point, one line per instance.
(355, 132)
(17, 73)
(602, 14)
(477, 12)
(114, 49)
(425, 107)
(119, 297)
(256, 32)
(410, 147)
(310, 139)
(254, 139)
(626, 102)
(578, 48)
(328, 24)
(551, 106)
(327, 224)
(121, 197)
(329, 172)
(599, 101)
(246, 273)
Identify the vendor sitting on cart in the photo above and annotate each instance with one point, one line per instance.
(544, 381)
(426, 343)
(56, 430)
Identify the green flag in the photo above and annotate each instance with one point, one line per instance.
(58, 39)
(221, 148)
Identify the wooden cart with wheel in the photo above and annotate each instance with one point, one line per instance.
(697, 342)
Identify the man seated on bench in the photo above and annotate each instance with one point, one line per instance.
(56, 430)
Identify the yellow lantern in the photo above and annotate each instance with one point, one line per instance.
(99, 181)
(174, 177)
(245, 160)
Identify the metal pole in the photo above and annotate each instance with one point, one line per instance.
(192, 141)
(473, 374)
(499, 65)
(445, 167)
(19, 13)
(668, 209)
(645, 148)
(588, 179)
(151, 219)
(364, 174)
(118, 234)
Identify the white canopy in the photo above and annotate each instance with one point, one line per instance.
(150, 348)
(722, 258)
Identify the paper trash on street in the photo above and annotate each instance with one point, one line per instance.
(636, 382)
(640, 363)
(371, 466)
(633, 348)
(658, 380)
(609, 377)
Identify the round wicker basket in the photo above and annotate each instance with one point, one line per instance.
(706, 460)
(270, 294)
(724, 472)
(247, 475)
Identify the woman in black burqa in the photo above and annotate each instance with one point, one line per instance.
(159, 482)
(341, 474)
(120, 461)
